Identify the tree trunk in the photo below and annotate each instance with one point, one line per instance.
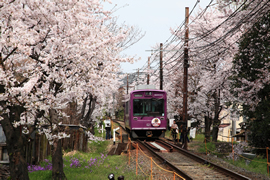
(57, 156)
(207, 123)
(87, 120)
(215, 134)
(57, 161)
(15, 144)
(216, 122)
(92, 129)
(72, 112)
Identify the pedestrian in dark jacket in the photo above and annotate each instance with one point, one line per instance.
(108, 131)
(174, 129)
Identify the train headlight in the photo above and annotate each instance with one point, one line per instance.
(156, 122)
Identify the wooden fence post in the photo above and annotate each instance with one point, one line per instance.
(80, 140)
(129, 157)
(137, 148)
(267, 157)
(1, 152)
(205, 146)
(84, 142)
(151, 169)
(232, 150)
(37, 148)
(70, 140)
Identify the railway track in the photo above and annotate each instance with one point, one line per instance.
(187, 164)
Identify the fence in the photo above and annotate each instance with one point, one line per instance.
(146, 166)
(38, 148)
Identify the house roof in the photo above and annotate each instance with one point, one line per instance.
(224, 125)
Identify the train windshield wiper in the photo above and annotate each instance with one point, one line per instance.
(143, 116)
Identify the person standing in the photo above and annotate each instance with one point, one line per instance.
(181, 134)
(108, 131)
(174, 129)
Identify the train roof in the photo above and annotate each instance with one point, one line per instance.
(145, 86)
(140, 90)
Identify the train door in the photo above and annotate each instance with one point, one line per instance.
(127, 121)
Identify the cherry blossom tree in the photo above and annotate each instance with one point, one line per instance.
(50, 52)
(205, 67)
(212, 46)
(251, 81)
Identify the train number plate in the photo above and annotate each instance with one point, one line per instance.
(148, 124)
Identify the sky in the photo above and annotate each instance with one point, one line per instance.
(155, 18)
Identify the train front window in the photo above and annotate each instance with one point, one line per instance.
(148, 107)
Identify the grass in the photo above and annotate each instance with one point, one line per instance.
(168, 134)
(94, 165)
(103, 165)
(100, 170)
(199, 138)
(257, 165)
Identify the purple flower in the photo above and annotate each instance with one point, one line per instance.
(75, 163)
(47, 166)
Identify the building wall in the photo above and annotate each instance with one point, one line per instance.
(38, 147)
(227, 131)
(2, 135)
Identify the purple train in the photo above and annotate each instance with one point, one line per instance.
(146, 113)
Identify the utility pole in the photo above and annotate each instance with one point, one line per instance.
(113, 113)
(148, 76)
(138, 76)
(127, 83)
(161, 66)
(185, 88)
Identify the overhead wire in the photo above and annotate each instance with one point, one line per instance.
(173, 35)
(230, 32)
(180, 27)
(240, 22)
(212, 44)
(245, 19)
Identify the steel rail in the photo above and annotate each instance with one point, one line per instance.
(175, 169)
(203, 161)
